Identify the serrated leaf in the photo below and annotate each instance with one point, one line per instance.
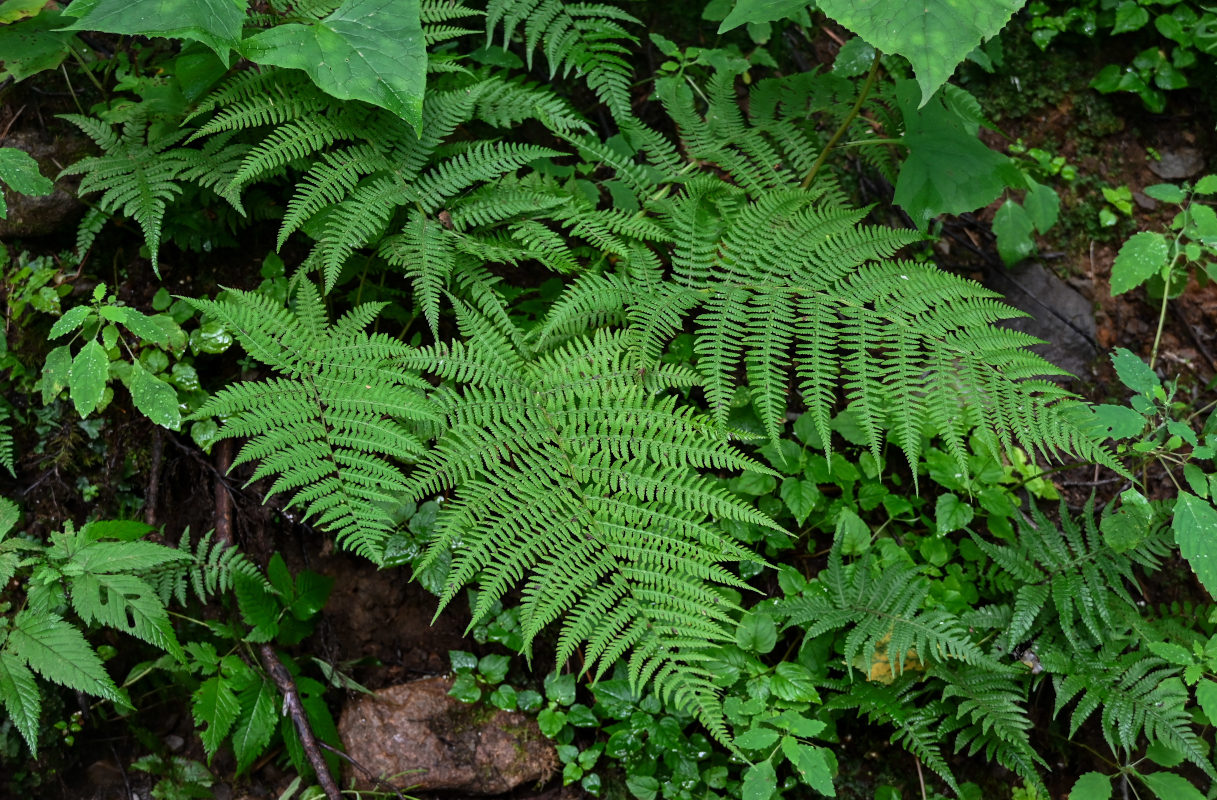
(1013, 227)
(1206, 698)
(259, 712)
(757, 738)
(258, 607)
(125, 556)
(1207, 185)
(55, 373)
(1141, 257)
(951, 513)
(59, 652)
(21, 698)
(154, 398)
(800, 497)
(9, 514)
(125, 530)
(145, 327)
(1091, 786)
(72, 319)
(1166, 192)
(1169, 786)
(215, 709)
(215, 23)
(948, 170)
(934, 35)
(369, 50)
(793, 682)
(811, 764)
(752, 12)
(760, 781)
(1195, 525)
(1118, 422)
(87, 377)
(19, 171)
(1133, 372)
(1043, 204)
(125, 603)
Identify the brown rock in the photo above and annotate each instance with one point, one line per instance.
(53, 213)
(442, 743)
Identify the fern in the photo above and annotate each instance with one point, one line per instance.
(571, 475)
(138, 173)
(1139, 696)
(883, 609)
(589, 39)
(1072, 570)
(208, 568)
(335, 421)
(6, 440)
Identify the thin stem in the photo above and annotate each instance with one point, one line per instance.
(1166, 295)
(845, 123)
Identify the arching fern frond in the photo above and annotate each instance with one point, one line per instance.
(211, 569)
(335, 423)
(571, 476)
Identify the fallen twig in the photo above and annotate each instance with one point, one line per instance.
(294, 708)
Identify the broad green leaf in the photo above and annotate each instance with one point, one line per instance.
(1044, 206)
(215, 709)
(21, 698)
(1206, 698)
(87, 378)
(1141, 257)
(758, 11)
(760, 781)
(1130, 16)
(215, 23)
(853, 532)
(948, 170)
(1128, 527)
(1091, 786)
(811, 764)
(951, 513)
(154, 398)
(793, 682)
(13, 10)
(757, 633)
(55, 373)
(34, 45)
(1118, 422)
(1207, 185)
(20, 172)
(1013, 227)
(757, 738)
(934, 35)
(1195, 525)
(1166, 192)
(128, 530)
(59, 652)
(1169, 786)
(369, 50)
(145, 327)
(72, 319)
(9, 514)
(259, 712)
(1133, 372)
(800, 497)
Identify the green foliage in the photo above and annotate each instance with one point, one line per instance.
(333, 424)
(19, 172)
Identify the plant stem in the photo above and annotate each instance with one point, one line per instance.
(1153, 354)
(845, 123)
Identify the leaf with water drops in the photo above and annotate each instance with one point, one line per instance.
(1195, 525)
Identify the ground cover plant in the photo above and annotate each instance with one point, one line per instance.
(728, 472)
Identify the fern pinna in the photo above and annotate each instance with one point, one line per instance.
(338, 419)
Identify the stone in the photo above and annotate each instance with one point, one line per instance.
(415, 735)
(57, 212)
(1177, 164)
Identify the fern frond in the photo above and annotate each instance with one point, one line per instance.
(588, 39)
(137, 174)
(333, 425)
(570, 476)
